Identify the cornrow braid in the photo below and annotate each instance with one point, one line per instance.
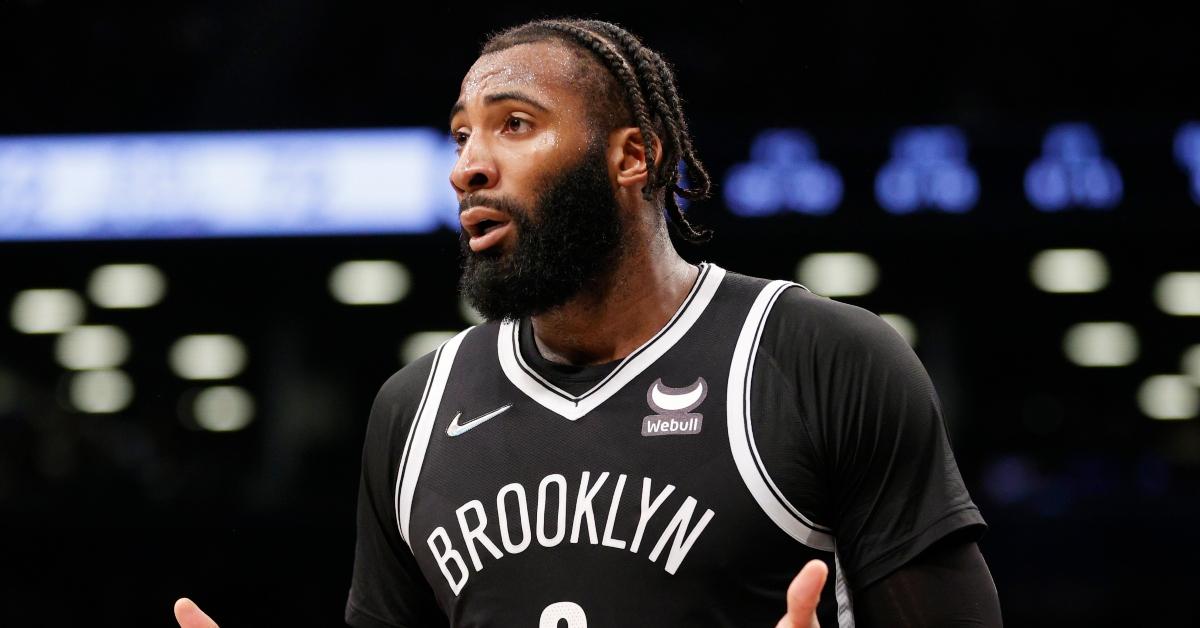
(657, 77)
(617, 65)
(651, 97)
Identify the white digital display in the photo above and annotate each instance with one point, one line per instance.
(227, 184)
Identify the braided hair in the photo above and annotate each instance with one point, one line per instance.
(651, 101)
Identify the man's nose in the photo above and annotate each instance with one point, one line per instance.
(474, 170)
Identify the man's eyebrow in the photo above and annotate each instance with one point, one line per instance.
(497, 97)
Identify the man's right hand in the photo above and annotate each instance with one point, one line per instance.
(190, 616)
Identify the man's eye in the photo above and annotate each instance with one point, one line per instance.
(459, 138)
(514, 123)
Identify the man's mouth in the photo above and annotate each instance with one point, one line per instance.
(486, 227)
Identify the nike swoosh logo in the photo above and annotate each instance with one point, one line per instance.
(455, 429)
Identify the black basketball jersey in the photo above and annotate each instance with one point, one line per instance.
(684, 485)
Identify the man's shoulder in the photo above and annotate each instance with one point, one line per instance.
(407, 385)
(408, 382)
(804, 309)
(801, 320)
(833, 319)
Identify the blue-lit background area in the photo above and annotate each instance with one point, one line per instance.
(222, 227)
(208, 185)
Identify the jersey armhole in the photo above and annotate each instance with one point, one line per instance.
(421, 430)
(741, 435)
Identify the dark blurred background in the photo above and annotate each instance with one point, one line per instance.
(1015, 186)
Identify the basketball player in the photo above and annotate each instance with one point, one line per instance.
(634, 440)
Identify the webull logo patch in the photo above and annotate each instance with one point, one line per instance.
(674, 409)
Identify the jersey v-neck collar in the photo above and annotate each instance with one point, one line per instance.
(573, 378)
(572, 407)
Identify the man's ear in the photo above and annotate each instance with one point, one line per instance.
(627, 154)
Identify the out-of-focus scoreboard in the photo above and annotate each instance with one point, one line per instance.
(196, 185)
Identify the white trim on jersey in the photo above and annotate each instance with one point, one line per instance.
(841, 591)
(741, 435)
(421, 429)
(572, 407)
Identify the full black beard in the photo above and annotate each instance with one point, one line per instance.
(571, 240)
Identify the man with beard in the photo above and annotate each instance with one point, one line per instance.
(634, 440)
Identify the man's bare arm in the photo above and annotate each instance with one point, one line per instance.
(948, 584)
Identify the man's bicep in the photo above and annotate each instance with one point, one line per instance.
(948, 584)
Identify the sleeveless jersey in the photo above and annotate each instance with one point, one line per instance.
(684, 485)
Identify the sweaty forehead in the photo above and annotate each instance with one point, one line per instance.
(542, 66)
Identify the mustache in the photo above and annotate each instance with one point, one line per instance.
(502, 203)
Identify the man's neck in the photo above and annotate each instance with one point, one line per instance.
(612, 319)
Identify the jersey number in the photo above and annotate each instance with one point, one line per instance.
(569, 611)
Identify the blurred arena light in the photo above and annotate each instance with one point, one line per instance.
(90, 347)
(928, 169)
(1187, 153)
(1069, 270)
(1101, 344)
(1191, 364)
(126, 286)
(903, 325)
(841, 274)
(221, 184)
(1168, 397)
(100, 392)
(46, 311)
(223, 408)
(783, 174)
(369, 282)
(1179, 293)
(1072, 171)
(468, 312)
(422, 342)
(208, 356)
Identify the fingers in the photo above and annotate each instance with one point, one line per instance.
(804, 593)
(190, 616)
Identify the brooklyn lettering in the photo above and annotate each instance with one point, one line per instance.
(517, 518)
